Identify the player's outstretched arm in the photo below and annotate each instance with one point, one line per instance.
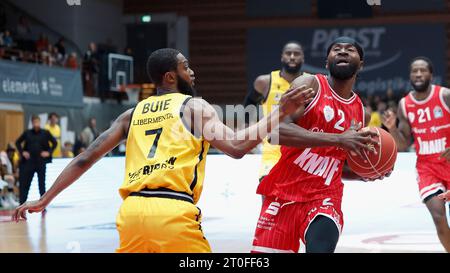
(259, 92)
(402, 133)
(237, 144)
(79, 165)
(352, 140)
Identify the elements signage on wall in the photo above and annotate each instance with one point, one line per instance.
(39, 84)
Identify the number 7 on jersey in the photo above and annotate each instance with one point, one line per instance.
(156, 132)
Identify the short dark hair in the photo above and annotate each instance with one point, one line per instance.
(52, 114)
(425, 59)
(160, 62)
(34, 117)
(292, 42)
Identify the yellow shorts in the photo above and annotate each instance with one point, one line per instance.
(153, 224)
(265, 167)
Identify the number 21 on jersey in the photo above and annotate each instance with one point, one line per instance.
(424, 115)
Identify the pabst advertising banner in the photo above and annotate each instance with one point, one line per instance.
(388, 52)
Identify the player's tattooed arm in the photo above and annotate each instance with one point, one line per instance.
(106, 142)
(237, 144)
(402, 133)
(291, 134)
(80, 164)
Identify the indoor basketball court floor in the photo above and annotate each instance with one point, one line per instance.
(382, 216)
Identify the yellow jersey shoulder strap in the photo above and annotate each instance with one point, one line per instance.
(276, 83)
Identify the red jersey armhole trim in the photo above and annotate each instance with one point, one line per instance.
(403, 106)
(441, 98)
(316, 99)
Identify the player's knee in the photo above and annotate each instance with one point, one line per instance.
(322, 236)
(439, 217)
(321, 246)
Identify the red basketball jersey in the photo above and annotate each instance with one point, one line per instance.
(315, 173)
(430, 124)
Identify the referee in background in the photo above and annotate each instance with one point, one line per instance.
(35, 147)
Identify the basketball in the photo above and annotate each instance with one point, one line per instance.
(378, 162)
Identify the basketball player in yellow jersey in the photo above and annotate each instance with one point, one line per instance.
(168, 136)
(268, 90)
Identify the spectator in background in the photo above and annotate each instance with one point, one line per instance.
(381, 106)
(42, 43)
(67, 150)
(375, 117)
(392, 105)
(76, 146)
(50, 51)
(3, 19)
(23, 30)
(391, 97)
(29, 57)
(92, 66)
(72, 61)
(60, 46)
(90, 133)
(14, 158)
(7, 38)
(45, 58)
(7, 182)
(57, 57)
(35, 147)
(54, 129)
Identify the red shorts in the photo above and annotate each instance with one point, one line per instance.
(282, 224)
(432, 177)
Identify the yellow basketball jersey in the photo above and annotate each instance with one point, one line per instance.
(55, 131)
(271, 153)
(160, 152)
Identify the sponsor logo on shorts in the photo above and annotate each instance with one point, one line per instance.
(273, 208)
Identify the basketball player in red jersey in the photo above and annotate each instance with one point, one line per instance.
(303, 191)
(425, 114)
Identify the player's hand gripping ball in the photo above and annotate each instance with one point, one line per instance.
(378, 162)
